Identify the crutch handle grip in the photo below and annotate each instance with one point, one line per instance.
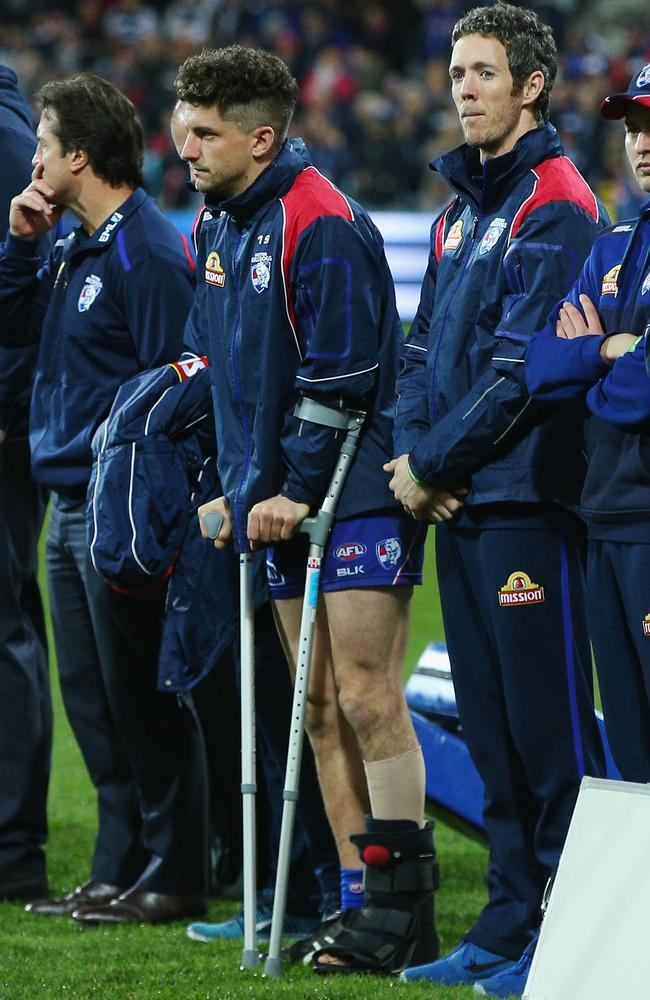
(213, 522)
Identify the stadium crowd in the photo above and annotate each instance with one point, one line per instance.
(373, 79)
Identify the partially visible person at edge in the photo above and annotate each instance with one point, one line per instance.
(295, 298)
(492, 469)
(594, 348)
(25, 707)
(110, 301)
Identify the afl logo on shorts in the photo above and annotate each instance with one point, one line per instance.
(349, 551)
(646, 625)
(389, 552)
(520, 589)
(214, 273)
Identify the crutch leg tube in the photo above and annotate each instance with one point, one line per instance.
(213, 522)
(250, 955)
(318, 529)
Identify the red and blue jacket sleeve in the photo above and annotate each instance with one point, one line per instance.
(337, 302)
(543, 258)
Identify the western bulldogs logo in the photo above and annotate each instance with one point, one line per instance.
(645, 287)
(643, 79)
(492, 234)
(349, 551)
(89, 292)
(261, 271)
(389, 552)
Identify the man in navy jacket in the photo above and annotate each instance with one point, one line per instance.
(295, 297)
(110, 301)
(594, 348)
(479, 458)
(25, 707)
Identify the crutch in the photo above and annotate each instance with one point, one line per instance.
(318, 529)
(250, 956)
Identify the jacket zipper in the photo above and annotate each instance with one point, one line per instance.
(240, 402)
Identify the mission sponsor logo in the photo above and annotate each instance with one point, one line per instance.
(646, 625)
(349, 551)
(214, 273)
(454, 236)
(610, 281)
(519, 590)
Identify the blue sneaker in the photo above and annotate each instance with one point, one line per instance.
(294, 927)
(465, 964)
(509, 982)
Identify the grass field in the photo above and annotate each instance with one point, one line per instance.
(50, 958)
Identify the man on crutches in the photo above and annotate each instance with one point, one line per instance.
(295, 300)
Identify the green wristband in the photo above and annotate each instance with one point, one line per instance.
(633, 346)
(415, 479)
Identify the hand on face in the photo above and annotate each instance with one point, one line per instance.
(32, 213)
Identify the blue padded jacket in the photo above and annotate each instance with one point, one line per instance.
(616, 277)
(102, 308)
(502, 253)
(294, 296)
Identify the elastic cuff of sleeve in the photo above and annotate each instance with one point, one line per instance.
(416, 479)
(17, 247)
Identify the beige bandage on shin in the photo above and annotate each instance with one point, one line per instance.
(396, 786)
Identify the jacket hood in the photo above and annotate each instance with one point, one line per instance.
(273, 182)
(11, 100)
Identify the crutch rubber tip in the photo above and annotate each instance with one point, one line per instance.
(273, 968)
(250, 958)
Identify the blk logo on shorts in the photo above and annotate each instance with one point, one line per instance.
(519, 590)
(646, 625)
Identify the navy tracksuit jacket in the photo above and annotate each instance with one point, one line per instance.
(102, 308)
(509, 565)
(294, 296)
(616, 492)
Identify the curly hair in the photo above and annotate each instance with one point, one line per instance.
(248, 86)
(528, 42)
(93, 115)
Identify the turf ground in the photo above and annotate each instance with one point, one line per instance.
(50, 958)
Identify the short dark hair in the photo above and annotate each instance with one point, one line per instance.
(93, 115)
(528, 42)
(248, 86)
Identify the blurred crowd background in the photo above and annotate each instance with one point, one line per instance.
(375, 104)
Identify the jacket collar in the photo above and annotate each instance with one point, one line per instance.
(487, 185)
(272, 183)
(107, 232)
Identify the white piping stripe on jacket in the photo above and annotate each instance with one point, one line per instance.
(509, 428)
(482, 397)
(95, 491)
(131, 519)
(333, 378)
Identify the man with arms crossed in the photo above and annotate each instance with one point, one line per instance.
(295, 297)
(479, 458)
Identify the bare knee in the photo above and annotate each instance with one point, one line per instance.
(370, 706)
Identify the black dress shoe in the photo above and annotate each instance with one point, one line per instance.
(136, 907)
(22, 885)
(91, 893)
